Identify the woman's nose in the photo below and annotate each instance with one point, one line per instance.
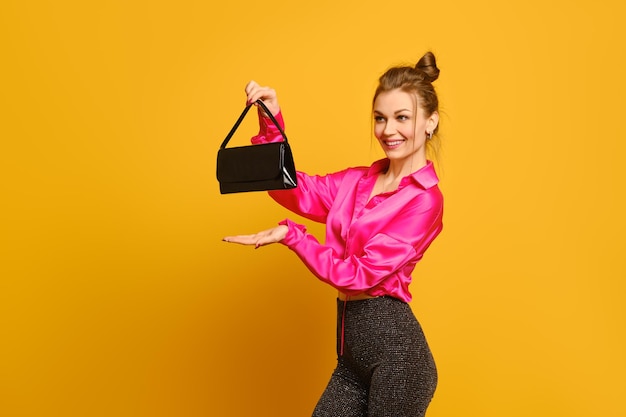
(390, 128)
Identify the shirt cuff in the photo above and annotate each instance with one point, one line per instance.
(268, 132)
(267, 122)
(295, 234)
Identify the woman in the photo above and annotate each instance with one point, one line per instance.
(379, 222)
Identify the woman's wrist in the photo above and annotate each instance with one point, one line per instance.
(295, 232)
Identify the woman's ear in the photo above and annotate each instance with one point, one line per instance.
(432, 122)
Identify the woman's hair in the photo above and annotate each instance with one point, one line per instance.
(416, 80)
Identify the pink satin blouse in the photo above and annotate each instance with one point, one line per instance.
(371, 246)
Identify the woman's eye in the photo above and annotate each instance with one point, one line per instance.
(403, 117)
(379, 119)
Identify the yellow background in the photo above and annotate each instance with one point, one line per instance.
(117, 296)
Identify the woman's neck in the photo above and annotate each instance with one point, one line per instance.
(389, 180)
(401, 168)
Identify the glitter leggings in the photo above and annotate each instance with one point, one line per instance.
(386, 369)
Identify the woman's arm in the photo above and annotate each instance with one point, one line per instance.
(385, 253)
(381, 257)
(315, 194)
(313, 197)
(395, 248)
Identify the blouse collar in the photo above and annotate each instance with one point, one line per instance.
(426, 176)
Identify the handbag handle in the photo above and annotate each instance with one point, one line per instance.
(243, 115)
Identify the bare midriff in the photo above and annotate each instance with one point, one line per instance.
(362, 296)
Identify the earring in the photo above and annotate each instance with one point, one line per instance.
(430, 135)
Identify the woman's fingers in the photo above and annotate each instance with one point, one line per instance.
(248, 240)
(266, 237)
(251, 87)
(256, 92)
(241, 239)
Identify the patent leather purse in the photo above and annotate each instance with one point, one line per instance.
(262, 167)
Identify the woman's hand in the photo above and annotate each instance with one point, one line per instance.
(255, 92)
(266, 237)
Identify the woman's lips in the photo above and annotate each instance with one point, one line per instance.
(393, 143)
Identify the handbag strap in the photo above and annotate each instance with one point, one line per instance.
(243, 115)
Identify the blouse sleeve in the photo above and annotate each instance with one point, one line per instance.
(268, 132)
(384, 254)
(313, 197)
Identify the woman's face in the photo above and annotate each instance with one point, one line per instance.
(400, 125)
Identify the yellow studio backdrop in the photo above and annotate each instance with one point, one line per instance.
(117, 296)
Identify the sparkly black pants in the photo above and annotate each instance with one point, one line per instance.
(384, 365)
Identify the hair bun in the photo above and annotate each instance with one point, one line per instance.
(428, 65)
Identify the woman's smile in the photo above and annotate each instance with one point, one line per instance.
(393, 143)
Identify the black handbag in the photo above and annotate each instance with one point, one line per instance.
(262, 167)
